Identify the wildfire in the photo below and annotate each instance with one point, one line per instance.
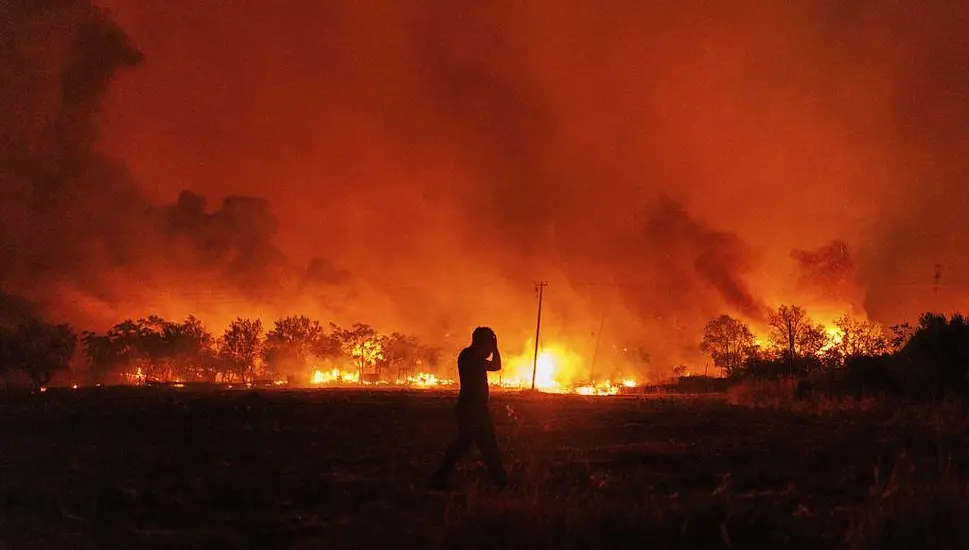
(517, 372)
(427, 380)
(835, 337)
(605, 388)
(368, 352)
(334, 376)
(556, 371)
(138, 377)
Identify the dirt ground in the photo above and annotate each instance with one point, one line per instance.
(169, 468)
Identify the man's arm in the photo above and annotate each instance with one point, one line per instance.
(495, 363)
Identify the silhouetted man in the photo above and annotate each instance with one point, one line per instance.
(474, 419)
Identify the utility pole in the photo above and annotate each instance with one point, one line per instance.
(936, 284)
(595, 352)
(540, 287)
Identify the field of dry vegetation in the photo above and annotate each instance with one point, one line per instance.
(170, 468)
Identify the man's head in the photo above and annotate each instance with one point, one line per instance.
(483, 339)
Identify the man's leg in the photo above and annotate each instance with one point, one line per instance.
(484, 436)
(457, 449)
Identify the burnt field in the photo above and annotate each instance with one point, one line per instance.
(170, 468)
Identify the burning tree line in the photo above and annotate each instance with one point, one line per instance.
(929, 358)
(859, 355)
(155, 349)
(792, 338)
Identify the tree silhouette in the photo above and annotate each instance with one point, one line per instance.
(936, 357)
(729, 342)
(188, 349)
(328, 346)
(793, 333)
(859, 337)
(292, 342)
(219, 365)
(242, 346)
(7, 354)
(400, 352)
(42, 349)
(361, 345)
(429, 357)
(104, 355)
(141, 345)
(901, 333)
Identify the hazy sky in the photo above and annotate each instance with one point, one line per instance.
(657, 162)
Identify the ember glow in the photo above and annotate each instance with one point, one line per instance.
(552, 371)
(546, 371)
(558, 371)
(334, 376)
(136, 377)
(605, 388)
(427, 380)
(338, 377)
(834, 337)
(367, 353)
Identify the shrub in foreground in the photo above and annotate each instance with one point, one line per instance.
(908, 512)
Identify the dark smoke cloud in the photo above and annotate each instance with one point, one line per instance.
(82, 241)
(235, 240)
(697, 259)
(62, 201)
(14, 309)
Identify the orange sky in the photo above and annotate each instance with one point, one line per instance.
(447, 157)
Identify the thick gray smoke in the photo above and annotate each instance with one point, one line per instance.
(63, 203)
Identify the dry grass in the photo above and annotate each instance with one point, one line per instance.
(783, 395)
(345, 469)
(589, 521)
(912, 511)
(921, 503)
(771, 394)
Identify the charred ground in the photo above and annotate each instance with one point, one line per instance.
(162, 468)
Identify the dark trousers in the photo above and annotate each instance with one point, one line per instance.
(474, 427)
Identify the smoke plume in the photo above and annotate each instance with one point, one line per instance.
(419, 166)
